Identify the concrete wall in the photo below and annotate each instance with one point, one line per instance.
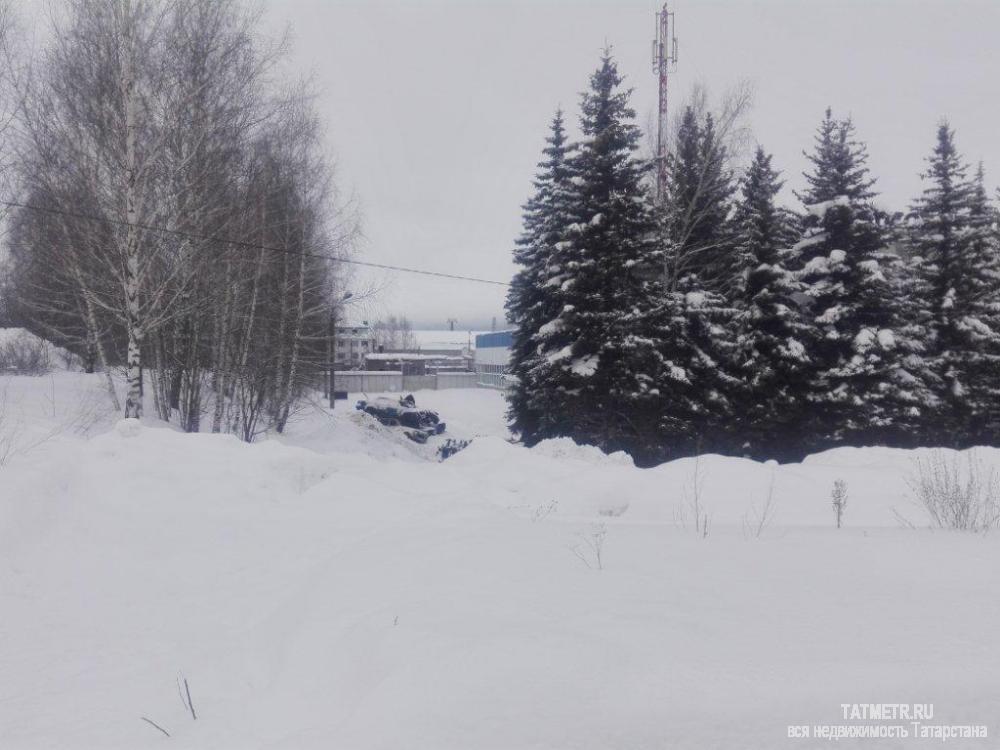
(395, 382)
(368, 382)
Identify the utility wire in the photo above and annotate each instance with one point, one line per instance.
(245, 244)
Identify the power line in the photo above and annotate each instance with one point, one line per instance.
(245, 244)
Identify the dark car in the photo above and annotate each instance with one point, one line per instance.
(419, 423)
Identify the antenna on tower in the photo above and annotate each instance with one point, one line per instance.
(664, 63)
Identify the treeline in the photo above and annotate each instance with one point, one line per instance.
(177, 210)
(714, 319)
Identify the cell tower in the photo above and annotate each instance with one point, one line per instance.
(664, 63)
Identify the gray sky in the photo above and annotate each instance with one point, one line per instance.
(437, 111)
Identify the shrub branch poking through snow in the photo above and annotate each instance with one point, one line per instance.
(590, 550)
(20, 434)
(839, 499)
(957, 494)
(544, 510)
(8, 430)
(184, 691)
(759, 517)
(154, 724)
(186, 696)
(692, 508)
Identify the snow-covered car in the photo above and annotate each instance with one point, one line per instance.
(419, 424)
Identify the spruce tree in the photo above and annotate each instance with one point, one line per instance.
(531, 302)
(596, 355)
(938, 237)
(699, 380)
(942, 216)
(859, 385)
(982, 321)
(701, 384)
(773, 336)
(952, 233)
(909, 292)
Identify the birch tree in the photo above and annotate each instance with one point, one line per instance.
(183, 207)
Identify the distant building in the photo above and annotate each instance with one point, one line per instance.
(418, 363)
(436, 340)
(352, 343)
(428, 352)
(492, 358)
(444, 360)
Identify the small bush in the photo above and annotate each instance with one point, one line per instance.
(545, 510)
(692, 509)
(760, 515)
(8, 430)
(958, 491)
(839, 495)
(25, 355)
(590, 550)
(70, 360)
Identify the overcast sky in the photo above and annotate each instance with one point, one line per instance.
(437, 111)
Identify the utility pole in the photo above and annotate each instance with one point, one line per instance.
(664, 62)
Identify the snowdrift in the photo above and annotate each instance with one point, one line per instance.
(366, 600)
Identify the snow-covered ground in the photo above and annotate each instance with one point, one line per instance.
(340, 588)
(467, 413)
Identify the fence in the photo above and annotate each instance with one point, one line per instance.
(492, 376)
(390, 381)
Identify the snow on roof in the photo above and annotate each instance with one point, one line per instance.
(392, 357)
(368, 372)
(445, 339)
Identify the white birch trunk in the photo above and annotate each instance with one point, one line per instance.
(133, 318)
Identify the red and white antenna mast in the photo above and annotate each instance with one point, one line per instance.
(664, 62)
